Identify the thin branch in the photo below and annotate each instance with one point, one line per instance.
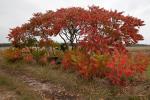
(63, 39)
(66, 35)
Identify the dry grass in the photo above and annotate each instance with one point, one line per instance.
(22, 92)
(142, 49)
(90, 90)
(73, 83)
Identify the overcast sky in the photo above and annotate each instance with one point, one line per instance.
(17, 12)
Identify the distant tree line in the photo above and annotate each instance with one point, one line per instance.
(138, 45)
(5, 44)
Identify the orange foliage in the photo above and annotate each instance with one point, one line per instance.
(94, 28)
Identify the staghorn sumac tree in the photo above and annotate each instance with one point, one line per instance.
(94, 29)
(92, 34)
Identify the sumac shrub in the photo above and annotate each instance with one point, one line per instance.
(28, 58)
(43, 60)
(96, 31)
(12, 54)
(67, 61)
(122, 67)
(38, 53)
(59, 54)
(25, 50)
(118, 68)
(86, 65)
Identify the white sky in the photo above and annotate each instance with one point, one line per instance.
(17, 12)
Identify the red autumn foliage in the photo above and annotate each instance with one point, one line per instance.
(118, 69)
(93, 34)
(88, 66)
(110, 28)
(12, 54)
(28, 58)
(95, 28)
(53, 62)
(45, 43)
(43, 60)
(122, 67)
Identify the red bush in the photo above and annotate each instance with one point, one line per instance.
(86, 65)
(28, 58)
(118, 68)
(43, 60)
(123, 66)
(12, 54)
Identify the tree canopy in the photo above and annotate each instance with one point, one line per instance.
(96, 28)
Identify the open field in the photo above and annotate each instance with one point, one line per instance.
(2, 48)
(141, 48)
(20, 81)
